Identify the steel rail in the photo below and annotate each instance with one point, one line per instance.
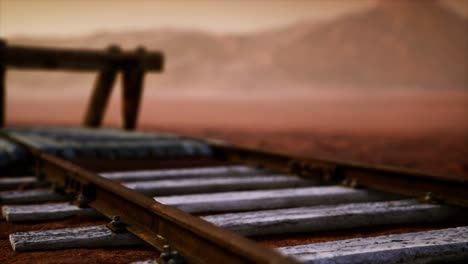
(159, 225)
(428, 187)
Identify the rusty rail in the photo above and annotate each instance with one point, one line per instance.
(432, 188)
(134, 65)
(159, 225)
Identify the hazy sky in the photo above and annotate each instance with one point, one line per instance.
(68, 17)
(62, 17)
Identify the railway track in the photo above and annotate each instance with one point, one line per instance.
(74, 195)
(197, 201)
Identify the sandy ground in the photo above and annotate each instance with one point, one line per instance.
(414, 129)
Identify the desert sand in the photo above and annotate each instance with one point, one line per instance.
(409, 128)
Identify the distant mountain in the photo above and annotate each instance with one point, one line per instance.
(399, 42)
(396, 43)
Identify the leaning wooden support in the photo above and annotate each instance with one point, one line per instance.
(2, 82)
(101, 93)
(133, 76)
(133, 64)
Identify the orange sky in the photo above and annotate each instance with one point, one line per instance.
(66, 17)
(77, 17)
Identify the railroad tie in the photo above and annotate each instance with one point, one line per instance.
(205, 172)
(270, 199)
(269, 222)
(13, 183)
(31, 196)
(333, 217)
(91, 143)
(420, 247)
(78, 237)
(215, 202)
(44, 212)
(187, 186)
(169, 187)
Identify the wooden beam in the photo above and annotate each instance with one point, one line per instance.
(2, 82)
(78, 237)
(335, 217)
(102, 90)
(132, 90)
(435, 246)
(75, 59)
(222, 184)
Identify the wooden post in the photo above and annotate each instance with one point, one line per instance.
(101, 93)
(132, 90)
(3, 46)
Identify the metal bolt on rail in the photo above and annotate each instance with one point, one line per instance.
(345, 182)
(354, 183)
(166, 253)
(428, 197)
(116, 225)
(431, 198)
(328, 175)
(170, 256)
(81, 201)
(176, 258)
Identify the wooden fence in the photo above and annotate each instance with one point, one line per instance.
(133, 66)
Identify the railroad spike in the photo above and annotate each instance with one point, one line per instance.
(354, 183)
(116, 225)
(312, 203)
(432, 199)
(81, 201)
(166, 253)
(345, 182)
(169, 256)
(176, 258)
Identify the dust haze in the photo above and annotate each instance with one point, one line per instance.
(387, 85)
